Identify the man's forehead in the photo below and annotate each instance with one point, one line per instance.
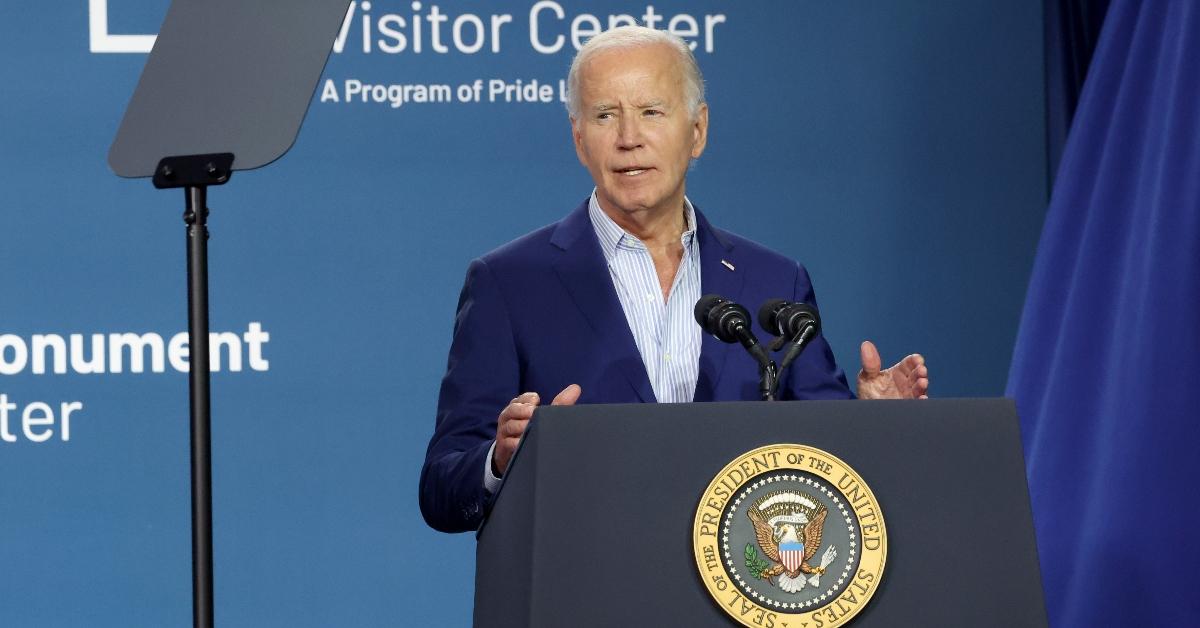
(644, 76)
(658, 60)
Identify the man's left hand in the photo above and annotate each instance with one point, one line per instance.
(908, 379)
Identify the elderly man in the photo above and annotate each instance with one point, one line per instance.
(597, 308)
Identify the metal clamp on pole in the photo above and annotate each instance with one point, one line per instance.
(185, 171)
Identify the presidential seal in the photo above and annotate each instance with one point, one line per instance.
(789, 536)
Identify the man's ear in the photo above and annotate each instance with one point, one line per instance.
(700, 131)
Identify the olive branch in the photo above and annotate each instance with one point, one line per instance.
(754, 564)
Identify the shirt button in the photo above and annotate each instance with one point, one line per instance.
(667, 357)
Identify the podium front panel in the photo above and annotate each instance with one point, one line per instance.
(593, 525)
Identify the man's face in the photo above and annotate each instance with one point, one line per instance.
(634, 133)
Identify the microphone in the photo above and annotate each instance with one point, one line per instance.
(729, 322)
(795, 323)
(782, 318)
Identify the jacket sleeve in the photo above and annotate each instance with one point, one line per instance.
(482, 376)
(815, 374)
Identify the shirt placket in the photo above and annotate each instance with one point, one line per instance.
(657, 310)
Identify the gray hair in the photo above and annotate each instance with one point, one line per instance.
(625, 37)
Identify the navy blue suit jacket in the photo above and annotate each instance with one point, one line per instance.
(541, 313)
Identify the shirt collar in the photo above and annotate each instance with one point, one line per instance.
(612, 236)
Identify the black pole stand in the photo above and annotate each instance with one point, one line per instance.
(196, 217)
(194, 173)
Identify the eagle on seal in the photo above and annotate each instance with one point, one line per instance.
(789, 526)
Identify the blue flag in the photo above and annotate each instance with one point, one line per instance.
(1106, 371)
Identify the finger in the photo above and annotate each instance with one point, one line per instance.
(529, 398)
(568, 396)
(515, 425)
(915, 361)
(917, 388)
(915, 375)
(523, 400)
(870, 358)
(516, 412)
(512, 429)
(909, 364)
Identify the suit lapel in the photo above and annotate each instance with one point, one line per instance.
(584, 274)
(721, 279)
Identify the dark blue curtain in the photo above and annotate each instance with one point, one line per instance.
(1072, 28)
(1107, 364)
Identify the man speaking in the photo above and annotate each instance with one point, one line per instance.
(598, 307)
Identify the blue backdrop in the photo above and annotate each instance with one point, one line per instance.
(897, 149)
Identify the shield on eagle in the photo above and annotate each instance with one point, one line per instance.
(791, 555)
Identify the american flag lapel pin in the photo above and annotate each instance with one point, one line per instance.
(726, 264)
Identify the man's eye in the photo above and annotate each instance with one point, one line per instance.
(652, 112)
(604, 115)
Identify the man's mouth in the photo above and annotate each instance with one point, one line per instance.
(632, 171)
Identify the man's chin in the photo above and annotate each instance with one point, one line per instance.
(635, 203)
(633, 208)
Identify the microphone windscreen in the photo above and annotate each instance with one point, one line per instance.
(768, 316)
(704, 306)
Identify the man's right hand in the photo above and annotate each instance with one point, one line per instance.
(514, 419)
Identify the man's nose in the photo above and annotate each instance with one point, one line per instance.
(629, 133)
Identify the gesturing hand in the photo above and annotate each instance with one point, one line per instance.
(514, 419)
(908, 379)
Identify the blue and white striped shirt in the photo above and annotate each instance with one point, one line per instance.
(666, 333)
